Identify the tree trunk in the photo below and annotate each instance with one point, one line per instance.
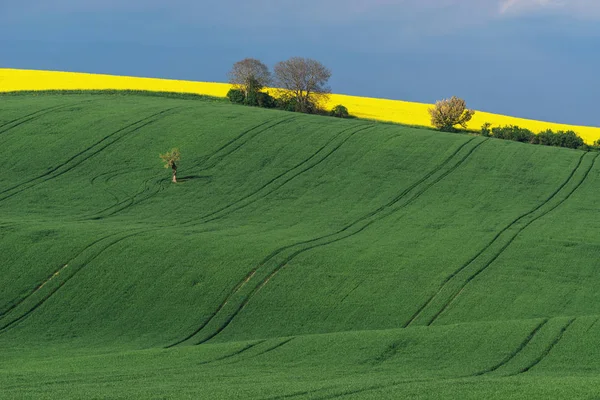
(174, 173)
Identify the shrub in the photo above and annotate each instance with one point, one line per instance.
(513, 132)
(265, 100)
(568, 139)
(287, 103)
(448, 113)
(236, 96)
(290, 103)
(486, 129)
(339, 111)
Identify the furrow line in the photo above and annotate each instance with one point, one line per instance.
(496, 237)
(278, 345)
(45, 298)
(56, 171)
(30, 117)
(131, 201)
(275, 253)
(268, 185)
(49, 278)
(519, 349)
(345, 228)
(548, 349)
(124, 204)
(344, 233)
(512, 239)
(244, 349)
(236, 143)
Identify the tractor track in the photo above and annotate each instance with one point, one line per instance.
(217, 156)
(495, 239)
(260, 192)
(341, 234)
(92, 150)
(549, 348)
(5, 326)
(48, 279)
(238, 352)
(522, 346)
(31, 117)
(236, 143)
(519, 349)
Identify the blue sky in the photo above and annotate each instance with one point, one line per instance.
(528, 58)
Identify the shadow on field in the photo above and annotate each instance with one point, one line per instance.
(194, 177)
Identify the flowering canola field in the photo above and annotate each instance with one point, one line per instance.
(404, 112)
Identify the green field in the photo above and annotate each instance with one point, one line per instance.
(299, 257)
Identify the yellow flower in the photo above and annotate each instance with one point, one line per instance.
(363, 107)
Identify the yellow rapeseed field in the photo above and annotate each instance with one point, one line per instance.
(363, 107)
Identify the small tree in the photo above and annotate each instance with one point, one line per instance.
(170, 158)
(448, 113)
(339, 111)
(250, 76)
(304, 81)
(236, 96)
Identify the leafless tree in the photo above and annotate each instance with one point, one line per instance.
(250, 75)
(304, 80)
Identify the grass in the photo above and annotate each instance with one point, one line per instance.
(395, 111)
(299, 257)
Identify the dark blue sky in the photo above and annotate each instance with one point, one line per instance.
(529, 58)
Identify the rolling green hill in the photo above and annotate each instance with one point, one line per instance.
(299, 257)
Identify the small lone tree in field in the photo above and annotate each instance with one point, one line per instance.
(448, 113)
(170, 158)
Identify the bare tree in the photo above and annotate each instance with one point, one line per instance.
(249, 75)
(305, 80)
(448, 113)
(170, 158)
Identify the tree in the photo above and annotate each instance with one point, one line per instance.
(448, 113)
(250, 76)
(339, 111)
(170, 158)
(303, 80)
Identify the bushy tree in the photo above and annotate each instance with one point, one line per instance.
(513, 132)
(339, 111)
(170, 158)
(304, 82)
(250, 76)
(486, 129)
(568, 139)
(260, 99)
(448, 113)
(236, 96)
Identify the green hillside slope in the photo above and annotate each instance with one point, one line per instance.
(299, 257)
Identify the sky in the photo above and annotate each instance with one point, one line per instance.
(528, 58)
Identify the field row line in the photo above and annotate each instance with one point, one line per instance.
(260, 275)
(451, 288)
(83, 155)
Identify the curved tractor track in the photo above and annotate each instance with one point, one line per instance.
(322, 154)
(25, 306)
(455, 283)
(213, 159)
(10, 125)
(260, 275)
(84, 155)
